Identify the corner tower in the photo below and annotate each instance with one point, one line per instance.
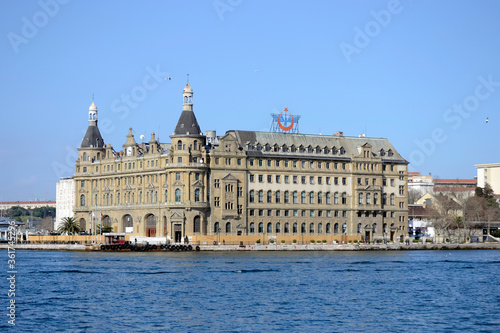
(92, 147)
(187, 174)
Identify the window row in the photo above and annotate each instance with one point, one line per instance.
(326, 150)
(295, 164)
(296, 213)
(294, 228)
(296, 179)
(295, 197)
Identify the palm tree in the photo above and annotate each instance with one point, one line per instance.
(70, 226)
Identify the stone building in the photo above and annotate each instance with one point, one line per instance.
(241, 186)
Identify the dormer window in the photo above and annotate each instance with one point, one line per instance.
(342, 151)
(382, 152)
(390, 153)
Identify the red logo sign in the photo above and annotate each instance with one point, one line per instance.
(285, 119)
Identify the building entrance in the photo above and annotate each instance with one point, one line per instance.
(177, 233)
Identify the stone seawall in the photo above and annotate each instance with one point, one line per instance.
(310, 247)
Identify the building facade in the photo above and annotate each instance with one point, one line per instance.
(489, 174)
(65, 199)
(245, 183)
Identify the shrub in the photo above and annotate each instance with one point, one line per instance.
(271, 241)
(294, 241)
(312, 240)
(257, 241)
(324, 241)
(415, 241)
(355, 241)
(349, 241)
(428, 241)
(282, 241)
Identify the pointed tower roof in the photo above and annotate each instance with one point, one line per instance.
(187, 124)
(130, 139)
(92, 138)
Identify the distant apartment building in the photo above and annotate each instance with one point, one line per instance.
(420, 184)
(489, 173)
(65, 199)
(26, 204)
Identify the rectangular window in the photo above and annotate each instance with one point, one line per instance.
(261, 179)
(392, 182)
(251, 162)
(320, 180)
(294, 163)
(343, 166)
(252, 212)
(269, 212)
(328, 181)
(216, 183)
(197, 176)
(295, 213)
(278, 212)
(286, 163)
(344, 213)
(269, 178)
(240, 191)
(336, 180)
(240, 209)
(311, 213)
(344, 181)
(287, 213)
(295, 179)
(359, 181)
(260, 163)
(261, 212)
(179, 159)
(278, 179)
(328, 165)
(287, 180)
(303, 164)
(311, 180)
(239, 161)
(83, 183)
(228, 161)
(217, 201)
(303, 179)
(252, 178)
(177, 176)
(311, 165)
(319, 165)
(277, 163)
(268, 163)
(216, 160)
(328, 213)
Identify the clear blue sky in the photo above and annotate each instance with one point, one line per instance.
(391, 69)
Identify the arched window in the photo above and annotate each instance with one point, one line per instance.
(360, 198)
(311, 197)
(269, 228)
(278, 196)
(195, 145)
(261, 227)
(375, 198)
(252, 196)
(344, 198)
(196, 224)
(166, 196)
(368, 198)
(287, 227)
(269, 196)
(320, 228)
(336, 228)
(261, 196)
(384, 199)
(228, 227)
(374, 228)
(179, 145)
(336, 198)
(328, 228)
(287, 197)
(392, 199)
(252, 228)
(216, 227)
(84, 156)
(384, 228)
(294, 228)
(177, 195)
(197, 195)
(320, 198)
(359, 228)
(82, 200)
(303, 228)
(278, 228)
(295, 200)
(344, 228)
(303, 197)
(328, 199)
(311, 228)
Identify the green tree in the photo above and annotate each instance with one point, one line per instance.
(104, 228)
(70, 226)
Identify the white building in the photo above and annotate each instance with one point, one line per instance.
(65, 199)
(489, 173)
(420, 184)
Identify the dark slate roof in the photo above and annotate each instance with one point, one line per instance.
(92, 138)
(187, 124)
(350, 144)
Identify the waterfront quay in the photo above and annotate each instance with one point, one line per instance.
(277, 247)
